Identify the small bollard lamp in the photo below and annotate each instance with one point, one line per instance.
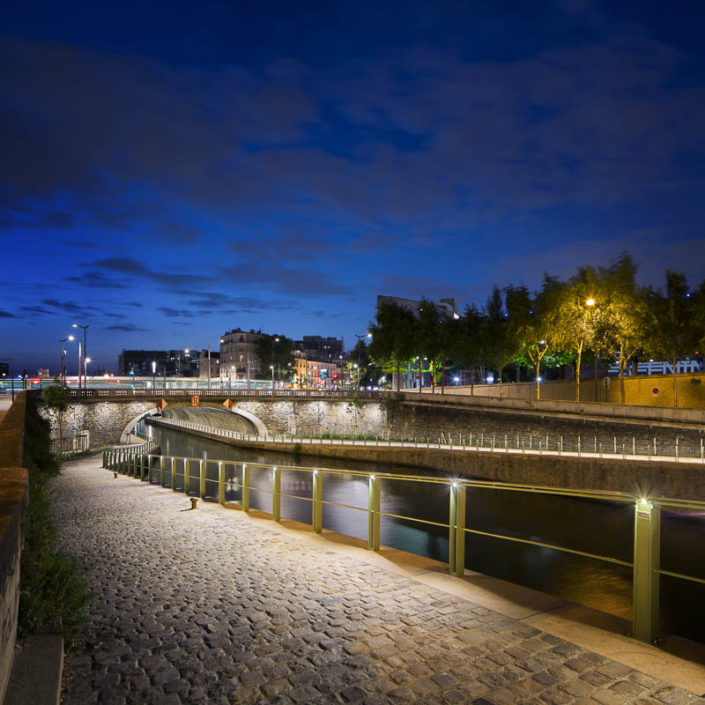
(194, 502)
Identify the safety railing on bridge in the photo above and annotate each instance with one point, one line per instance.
(224, 392)
(213, 479)
(510, 443)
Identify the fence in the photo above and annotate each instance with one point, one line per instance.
(544, 444)
(181, 473)
(233, 393)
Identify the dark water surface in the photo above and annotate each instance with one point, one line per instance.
(581, 524)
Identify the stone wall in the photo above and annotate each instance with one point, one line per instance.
(106, 420)
(420, 420)
(646, 390)
(13, 503)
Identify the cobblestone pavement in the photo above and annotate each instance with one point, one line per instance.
(205, 607)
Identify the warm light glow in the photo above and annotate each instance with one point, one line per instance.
(590, 302)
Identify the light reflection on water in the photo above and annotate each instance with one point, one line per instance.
(584, 525)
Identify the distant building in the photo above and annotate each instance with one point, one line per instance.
(238, 354)
(205, 359)
(315, 347)
(316, 373)
(162, 363)
(447, 306)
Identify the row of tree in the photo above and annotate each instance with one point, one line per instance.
(600, 312)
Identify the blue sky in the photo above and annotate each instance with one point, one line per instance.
(171, 171)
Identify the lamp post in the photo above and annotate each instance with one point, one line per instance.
(271, 367)
(62, 355)
(154, 374)
(357, 367)
(85, 352)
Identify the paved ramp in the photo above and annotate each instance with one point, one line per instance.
(213, 606)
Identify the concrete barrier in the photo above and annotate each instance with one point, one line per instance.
(13, 504)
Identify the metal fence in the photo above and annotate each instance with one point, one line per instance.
(234, 393)
(191, 475)
(512, 443)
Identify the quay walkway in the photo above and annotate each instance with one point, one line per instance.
(217, 606)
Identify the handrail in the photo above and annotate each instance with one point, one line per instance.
(474, 442)
(645, 562)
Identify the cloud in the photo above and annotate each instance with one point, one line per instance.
(6, 314)
(126, 328)
(274, 276)
(132, 267)
(97, 280)
(176, 313)
(175, 233)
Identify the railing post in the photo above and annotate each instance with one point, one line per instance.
(161, 471)
(187, 475)
(105, 457)
(373, 516)
(172, 474)
(134, 465)
(456, 530)
(142, 467)
(317, 504)
(245, 488)
(221, 483)
(202, 479)
(276, 494)
(647, 539)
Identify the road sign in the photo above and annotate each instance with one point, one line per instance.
(161, 404)
(228, 404)
(195, 400)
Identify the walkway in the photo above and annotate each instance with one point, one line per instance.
(215, 606)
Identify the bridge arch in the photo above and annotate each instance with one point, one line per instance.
(252, 423)
(127, 431)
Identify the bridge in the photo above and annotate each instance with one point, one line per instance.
(588, 446)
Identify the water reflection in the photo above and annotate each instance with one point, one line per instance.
(586, 525)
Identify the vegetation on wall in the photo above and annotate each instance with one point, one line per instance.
(53, 596)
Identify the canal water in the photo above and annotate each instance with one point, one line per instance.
(581, 524)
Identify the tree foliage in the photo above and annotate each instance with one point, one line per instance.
(601, 313)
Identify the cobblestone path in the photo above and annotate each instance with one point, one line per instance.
(205, 607)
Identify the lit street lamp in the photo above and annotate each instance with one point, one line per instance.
(271, 367)
(62, 355)
(85, 352)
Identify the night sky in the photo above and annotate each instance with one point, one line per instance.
(172, 170)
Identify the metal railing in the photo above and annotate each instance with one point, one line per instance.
(509, 443)
(224, 393)
(182, 471)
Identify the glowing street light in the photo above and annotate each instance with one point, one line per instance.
(85, 352)
(590, 302)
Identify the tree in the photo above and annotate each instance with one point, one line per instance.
(498, 343)
(676, 331)
(532, 322)
(274, 350)
(576, 315)
(627, 324)
(393, 337)
(467, 343)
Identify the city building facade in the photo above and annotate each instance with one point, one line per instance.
(316, 374)
(448, 306)
(238, 355)
(162, 363)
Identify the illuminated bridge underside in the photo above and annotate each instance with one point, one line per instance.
(238, 420)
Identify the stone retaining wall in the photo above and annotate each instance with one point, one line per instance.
(13, 504)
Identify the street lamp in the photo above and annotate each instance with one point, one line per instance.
(357, 367)
(154, 374)
(85, 352)
(271, 367)
(62, 355)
